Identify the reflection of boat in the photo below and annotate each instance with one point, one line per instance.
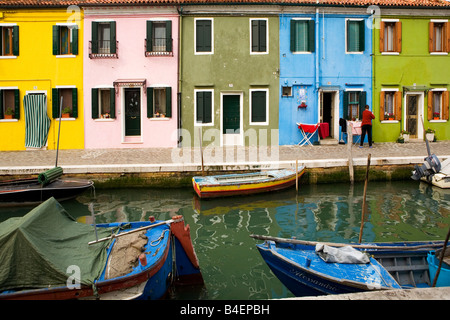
(301, 265)
(245, 183)
(129, 260)
(35, 190)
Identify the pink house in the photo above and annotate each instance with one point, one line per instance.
(130, 77)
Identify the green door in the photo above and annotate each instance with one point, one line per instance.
(132, 112)
(231, 114)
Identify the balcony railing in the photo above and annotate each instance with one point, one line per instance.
(158, 47)
(103, 49)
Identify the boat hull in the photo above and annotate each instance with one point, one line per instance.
(245, 184)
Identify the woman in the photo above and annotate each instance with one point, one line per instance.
(366, 126)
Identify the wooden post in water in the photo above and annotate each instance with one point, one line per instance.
(201, 149)
(349, 148)
(364, 200)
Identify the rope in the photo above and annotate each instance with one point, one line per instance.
(157, 241)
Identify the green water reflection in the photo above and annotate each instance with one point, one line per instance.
(231, 266)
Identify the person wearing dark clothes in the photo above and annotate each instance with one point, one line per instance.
(366, 126)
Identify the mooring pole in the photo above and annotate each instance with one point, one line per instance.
(364, 200)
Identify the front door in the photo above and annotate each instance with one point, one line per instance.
(412, 103)
(132, 112)
(231, 127)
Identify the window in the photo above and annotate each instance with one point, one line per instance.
(159, 102)
(103, 43)
(159, 38)
(439, 36)
(286, 91)
(9, 104)
(390, 36)
(103, 103)
(390, 105)
(438, 105)
(65, 40)
(259, 107)
(258, 36)
(69, 102)
(302, 35)
(355, 35)
(354, 103)
(203, 36)
(9, 40)
(204, 107)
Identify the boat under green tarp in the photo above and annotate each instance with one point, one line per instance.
(40, 249)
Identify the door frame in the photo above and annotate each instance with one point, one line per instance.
(125, 138)
(334, 126)
(240, 138)
(420, 111)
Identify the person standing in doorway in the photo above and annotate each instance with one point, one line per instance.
(366, 126)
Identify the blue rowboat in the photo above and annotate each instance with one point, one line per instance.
(300, 266)
(245, 183)
(71, 260)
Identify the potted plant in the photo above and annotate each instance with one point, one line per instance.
(400, 139)
(9, 113)
(436, 116)
(388, 116)
(429, 134)
(405, 135)
(66, 112)
(302, 105)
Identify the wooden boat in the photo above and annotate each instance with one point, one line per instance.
(300, 267)
(70, 260)
(245, 183)
(36, 190)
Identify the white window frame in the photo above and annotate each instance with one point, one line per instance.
(195, 37)
(389, 90)
(439, 90)
(251, 35)
(301, 52)
(210, 124)
(265, 123)
(8, 25)
(346, 35)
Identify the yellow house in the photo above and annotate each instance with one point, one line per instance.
(41, 72)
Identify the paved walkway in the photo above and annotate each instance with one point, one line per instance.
(231, 158)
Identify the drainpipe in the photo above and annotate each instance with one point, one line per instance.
(317, 46)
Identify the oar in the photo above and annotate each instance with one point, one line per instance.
(136, 230)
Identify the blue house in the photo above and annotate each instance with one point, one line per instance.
(325, 71)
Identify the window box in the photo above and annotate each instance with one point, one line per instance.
(70, 102)
(159, 102)
(391, 104)
(159, 39)
(438, 104)
(103, 103)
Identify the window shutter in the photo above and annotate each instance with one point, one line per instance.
(169, 36)
(200, 107)
(94, 37)
(94, 103)
(293, 35)
(262, 30)
(203, 35)
(207, 107)
(431, 37)
(362, 38)
(398, 106)
(445, 104)
(311, 36)
(15, 40)
(55, 103)
(148, 43)
(362, 103)
(56, 45)
(254, 35)
(398, 36)
(149, 102)
(382, 105)
(1, 42)
(430, 105)
(74, 43)
(1, 101)
(113, 37)
(16, 104)
(169, 102)
(447, 41)
(382, 37)
(258, 106)
(74, 103)
(345, 105)
(112, 99)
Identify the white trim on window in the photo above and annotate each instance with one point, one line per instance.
(265, 123)
(195, 37)
(346, 34)
(267, 36)
(209, 124)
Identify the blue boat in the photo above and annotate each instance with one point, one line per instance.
(62, 259)
(306, 269)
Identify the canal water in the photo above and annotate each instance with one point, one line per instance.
(220, 229)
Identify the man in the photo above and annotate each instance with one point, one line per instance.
(366, 126)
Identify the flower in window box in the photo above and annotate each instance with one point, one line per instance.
(9, 113)
(302, 105)
(66, 112)
(436, 115)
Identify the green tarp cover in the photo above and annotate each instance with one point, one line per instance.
(45, 247)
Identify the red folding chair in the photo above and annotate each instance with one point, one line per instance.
(307, 130)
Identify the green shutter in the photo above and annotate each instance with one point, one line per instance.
(74, 103)
(94, 103)
(207, 107)
(169, 102)
(362, 103)
(56, 44)
(1, 42)
(112, 25)
(200, 106)
(94, 41)
(255, 37)
(361, 35)
(293, 35)
(74, 43)
(149, 102)
(262, 30)
(311, 36)
(345, 105)
(55, 103)
(258, 106)
(203, 35)
(112, 98)
(169, 36)
(15, 40)
(148, 42)
(16, 104)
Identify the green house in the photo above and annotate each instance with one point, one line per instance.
(229, 76)
(411, 68)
